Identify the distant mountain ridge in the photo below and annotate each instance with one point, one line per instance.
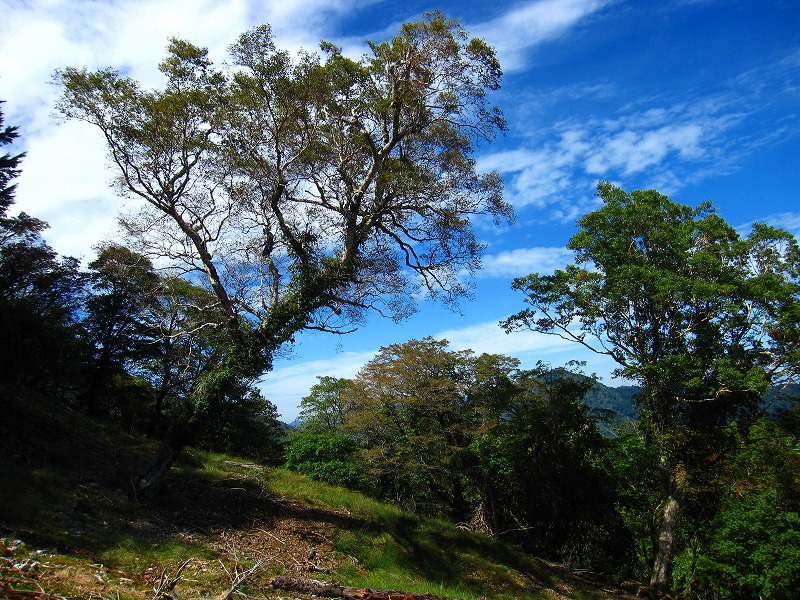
(622, 400)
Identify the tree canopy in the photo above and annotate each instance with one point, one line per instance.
(307, 189)
(702, 318)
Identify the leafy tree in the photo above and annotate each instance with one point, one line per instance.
(181, 324)
(689, 310)
(541, 475)
(751, 547)
(39, 299)
(246, 424)
(9, 166)
(123, 285)
(412, 410)
(307, 191)
(325, 455)
(321, 448)
(637, 478)
(39, 295)
(325, 407)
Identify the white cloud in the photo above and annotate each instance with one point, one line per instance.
(290, 381)
(660, 147)
(64, 178)
(65, 183)
(790, 221)
(544, 177)
(489, 337)
(65, 168)
(513, 33)
(634, 151)
(529, 347)
(522, 261)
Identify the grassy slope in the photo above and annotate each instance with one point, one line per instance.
(70, 527)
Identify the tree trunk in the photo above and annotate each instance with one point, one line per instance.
(159, 405)
(94, 408)
(332, 590)
(148, 483)
(665, 550)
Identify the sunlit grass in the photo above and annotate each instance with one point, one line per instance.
(392, 549)
(77, 500)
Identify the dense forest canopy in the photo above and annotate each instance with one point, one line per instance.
(286, 193)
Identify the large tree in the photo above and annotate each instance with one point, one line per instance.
(412, 410)
(39, 294)
(703, 319)
(307, 190)
(122, 285)
(325, 407)
(540, 475)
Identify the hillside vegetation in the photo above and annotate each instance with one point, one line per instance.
(233, 251)
(72, 528)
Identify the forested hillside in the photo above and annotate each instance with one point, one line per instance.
(282, 194)
(224, 526)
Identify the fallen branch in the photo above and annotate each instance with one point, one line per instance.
(10, 593)
(332, 590)
(238, 580)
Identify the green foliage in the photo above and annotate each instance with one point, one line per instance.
(294, 185)
(9, 166)
(39, 296)
(244, 423)
(541, 474)
(304, 191)
(689, 310)
(751, 547)
(323, 455)
(412, 409)
(753, 552)
(325, 407)
(122, 287)
(638, 490)
(469, 438)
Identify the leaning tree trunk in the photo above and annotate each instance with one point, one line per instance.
(665, 549)
(147, 484)
(155, 418)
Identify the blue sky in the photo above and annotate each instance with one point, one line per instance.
(699, 99)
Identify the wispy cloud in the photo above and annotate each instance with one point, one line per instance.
(527, 25)
(64, 172)
(778, 76)
(488, 337)
(521, 261)
(287, 384)
(529, 347)
(646, 143)
(290, 381)
(790, 221)
(664, 148)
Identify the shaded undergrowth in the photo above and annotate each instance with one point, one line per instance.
(71, 526)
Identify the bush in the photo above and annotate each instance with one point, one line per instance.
(324, 456)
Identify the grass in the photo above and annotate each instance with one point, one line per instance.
(392, 549)
(65, 508)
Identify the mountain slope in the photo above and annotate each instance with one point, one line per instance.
(69, 526)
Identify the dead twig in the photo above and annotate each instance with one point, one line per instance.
(167, 584)
(238, 580)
